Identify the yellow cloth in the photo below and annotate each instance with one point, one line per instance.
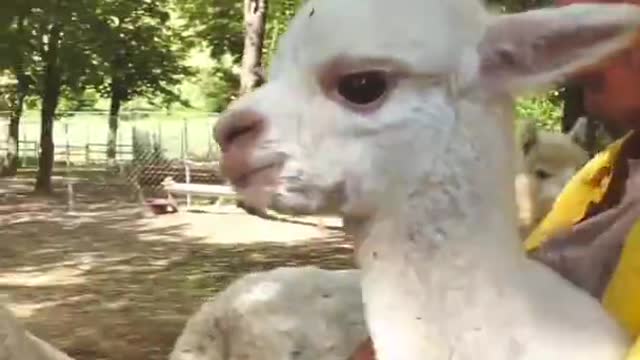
(622, 295)
(634, 353)
(588, 185)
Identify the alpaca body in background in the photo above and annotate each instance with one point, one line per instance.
(17, 343)
(548, 161)
(303, 313)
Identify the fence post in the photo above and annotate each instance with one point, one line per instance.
(66, 140)
(70, 196)
(187, 175)
(119, 142)
(182, 157)
(159, 146)
(209, 141)
(186, 137)
(24, 153)
(133, 143)
(87, 155)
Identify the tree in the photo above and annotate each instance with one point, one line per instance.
(219, 24)
(142, 55)
(51, 86)
(15, 94)
(255, 17)
(7, 103)
(124, 48)
(57, 30)
(15, 59)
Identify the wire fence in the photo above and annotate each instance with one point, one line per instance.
(150, 146)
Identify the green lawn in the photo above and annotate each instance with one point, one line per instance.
(171, 130)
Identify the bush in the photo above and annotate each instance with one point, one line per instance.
(545, 109)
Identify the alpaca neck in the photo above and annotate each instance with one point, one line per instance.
(430, 264)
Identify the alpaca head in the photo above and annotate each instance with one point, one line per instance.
(550, 160)
(367, 99)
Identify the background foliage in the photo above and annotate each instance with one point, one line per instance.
(58, 56)
(206, 35)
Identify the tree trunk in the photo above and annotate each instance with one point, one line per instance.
(9, 165)
(114, 112)
(10, 162)
(591, 137)
(251, 74)
(50, 98)
(573, 106)
(118, 94)
(255, 16)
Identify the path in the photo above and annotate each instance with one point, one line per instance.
(109, 282)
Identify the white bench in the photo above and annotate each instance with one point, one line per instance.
(204, 190)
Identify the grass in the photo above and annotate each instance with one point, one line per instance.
(189, 133)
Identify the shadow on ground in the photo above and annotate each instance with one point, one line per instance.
(106, 283)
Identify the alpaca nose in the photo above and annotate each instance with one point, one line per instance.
(237, 133)
(237, 126)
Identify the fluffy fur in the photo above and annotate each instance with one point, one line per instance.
(549, 160)
(16, 343)
(283, 314)
(428, 168)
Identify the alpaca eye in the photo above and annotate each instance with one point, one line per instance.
(541, 174)
(363, 88)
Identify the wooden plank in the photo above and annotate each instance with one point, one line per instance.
(204, 190)
(206, 175)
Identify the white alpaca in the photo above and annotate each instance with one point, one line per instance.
(301, 313)
(549, 160)
(399, 114)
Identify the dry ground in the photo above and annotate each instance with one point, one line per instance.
(109, 281)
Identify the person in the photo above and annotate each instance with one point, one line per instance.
(591, 236)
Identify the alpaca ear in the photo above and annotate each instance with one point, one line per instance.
(538, 48)
(578, 132)
(528, 136)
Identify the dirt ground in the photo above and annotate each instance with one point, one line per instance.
(107, 280)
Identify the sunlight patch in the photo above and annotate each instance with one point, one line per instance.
(63, 276)
(262, 292)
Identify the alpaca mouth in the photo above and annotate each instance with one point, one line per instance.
(257, 185)
(298, 198)
(270, 184)
(255, 176)
(265, 188)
